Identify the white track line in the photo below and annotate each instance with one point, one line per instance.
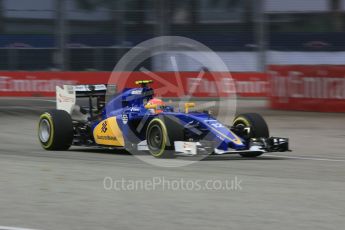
(306, 158)
(14, 228)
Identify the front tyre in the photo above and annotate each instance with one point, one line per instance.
(157, 139)
(255, 127)
(55, 130)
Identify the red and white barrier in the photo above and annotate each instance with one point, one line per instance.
(294, 87)
(168, 84)
(308, 88)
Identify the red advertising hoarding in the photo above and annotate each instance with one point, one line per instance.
(168, 84)
(308, 88)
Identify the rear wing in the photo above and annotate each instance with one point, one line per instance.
(66, 96)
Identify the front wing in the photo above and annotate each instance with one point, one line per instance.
(255, 145)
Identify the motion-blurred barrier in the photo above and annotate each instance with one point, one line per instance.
(167, 84)
(308, 88)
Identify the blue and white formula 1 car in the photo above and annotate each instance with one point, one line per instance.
(135, 120)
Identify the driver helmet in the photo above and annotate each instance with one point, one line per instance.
(159, 103)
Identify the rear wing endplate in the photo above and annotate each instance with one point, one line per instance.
(67, 95)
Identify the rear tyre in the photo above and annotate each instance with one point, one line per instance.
(158, 140)
(257, 127)
(55, 130)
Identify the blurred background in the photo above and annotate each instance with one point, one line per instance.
(249, 35)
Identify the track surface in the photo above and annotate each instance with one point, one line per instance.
(303, 189)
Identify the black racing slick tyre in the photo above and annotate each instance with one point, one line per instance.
(256, 125)
(158, 140)
(55, 130)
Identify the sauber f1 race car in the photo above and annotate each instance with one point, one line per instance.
(133, 119)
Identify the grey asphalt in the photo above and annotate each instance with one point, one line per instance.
(303, 189)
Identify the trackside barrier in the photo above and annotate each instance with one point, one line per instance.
(168, 84)
(307, 88)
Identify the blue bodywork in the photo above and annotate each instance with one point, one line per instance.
(132, 117)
